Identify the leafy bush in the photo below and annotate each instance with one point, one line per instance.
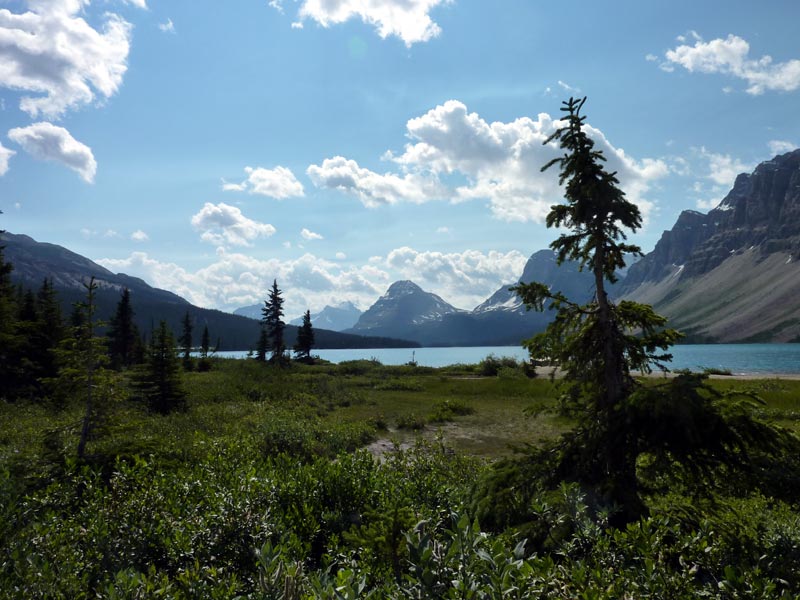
(449, 409)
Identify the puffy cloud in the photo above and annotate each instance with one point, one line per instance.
(341, 256)
(310, 235)
(278, 183)
(5, 156)
(373, 189)
(138, 3)
(310, 282)
(496, 161)
(777, 146)
(715, 173)
(408, 20)
(55, 55)
(46, 141)
(235, 280)
(224, 224)
(723, 168)
(731, 56)
(139, 236)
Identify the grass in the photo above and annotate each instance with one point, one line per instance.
(362, 401)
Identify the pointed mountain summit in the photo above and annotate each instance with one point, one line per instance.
(732, 275)
(404, 304)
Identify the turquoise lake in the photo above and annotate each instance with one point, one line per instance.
(744, 359)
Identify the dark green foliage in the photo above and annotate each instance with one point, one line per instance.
(186, 342)
(124, 342)
(305, 338)
(273, 325)
(599, 345)
(158, 381)
(204, 364)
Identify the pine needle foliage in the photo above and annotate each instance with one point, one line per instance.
(680, 426)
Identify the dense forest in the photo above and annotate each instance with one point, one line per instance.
(133, 468)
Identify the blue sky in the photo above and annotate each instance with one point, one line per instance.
(340, 145)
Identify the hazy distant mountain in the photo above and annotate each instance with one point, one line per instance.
(34, 261)
(335, 318)
(732, 275)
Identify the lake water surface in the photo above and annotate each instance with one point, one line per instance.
(742, 359)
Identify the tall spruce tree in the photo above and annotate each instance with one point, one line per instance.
(681, 425)
(158, 379)
(9, 339)
(305, 338)
(186, 342)
(273, 323)
(123, 335)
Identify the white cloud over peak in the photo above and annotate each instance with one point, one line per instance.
(222, 224)
(279, 183)
(781, 146)
(731, 56)
(46, 141)
(408, 20)
(463, 278)
(310, 282)
(499, 162)
(723, 168)
(5, 156)
(53, 54)
(310, 235)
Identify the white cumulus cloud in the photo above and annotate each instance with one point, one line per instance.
(60, 61)
(499, 162)
(464, 279)
(731, 56)
(139, 236)
(46, 141)
(5, 156)
(781, 146)
(408, 20)
(310, 235)
(222, 224)
(374, 189)
(277, 183)
(309, 282)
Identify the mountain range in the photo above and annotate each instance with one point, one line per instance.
(731, 275)
(34, 261)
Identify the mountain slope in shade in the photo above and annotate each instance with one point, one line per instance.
(336, 318)
(34, 261)
(732, 275)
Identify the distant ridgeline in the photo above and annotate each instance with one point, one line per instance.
(34, 261)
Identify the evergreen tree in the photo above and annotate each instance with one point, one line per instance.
(82, 359)
(205, 341)
(123, 335)
(305, 338)
(599, 344)
(158, 380)
(49, 329)
(186, 341)
(262, 346)
(273, 323)
(9, 340)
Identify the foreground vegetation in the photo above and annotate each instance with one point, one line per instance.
(262, 487)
